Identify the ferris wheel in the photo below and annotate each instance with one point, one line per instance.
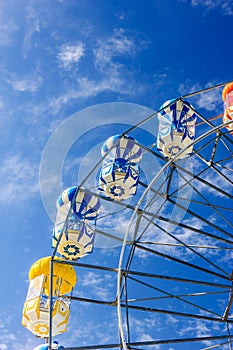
(152, 219)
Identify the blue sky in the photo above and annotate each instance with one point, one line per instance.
(58, 59)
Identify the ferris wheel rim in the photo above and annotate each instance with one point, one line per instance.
(133, 216)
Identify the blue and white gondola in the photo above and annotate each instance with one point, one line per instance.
(176, 128)
(77, 228)
(119, 174)
(55, 346)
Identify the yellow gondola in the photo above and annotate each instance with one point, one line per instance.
(36, 307)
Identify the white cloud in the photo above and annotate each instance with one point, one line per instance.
(18, 179)
(100, 285)
(143, 329)
(165, 243)
(113, 75)
(117, 45)
(1, 103)
(26, 84)
(7, 29)
(200, 328)
(70, 54)
(210, 100)
(225, 5)
(36, 18)
(92, 279)
(214, 178)
(147, 338)
(8, 24)
(171, 320)
(86, 88)
(105, 329)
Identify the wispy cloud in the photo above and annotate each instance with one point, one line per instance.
(3, 347)
(212, 177)
(100, 286)
(210, 100)
(108, 71)
(87, 87)
(200, 328)
(7, 30)
(11, 340)
(18, 178)
(36, 18)
(70, 54)
(1, 103)
(105, 329)
(29, 83)
(117, 45)
(225, 5)
(144, 328)
(146, 338)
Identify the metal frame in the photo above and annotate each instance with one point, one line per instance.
(135, 213)
(125, 273)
